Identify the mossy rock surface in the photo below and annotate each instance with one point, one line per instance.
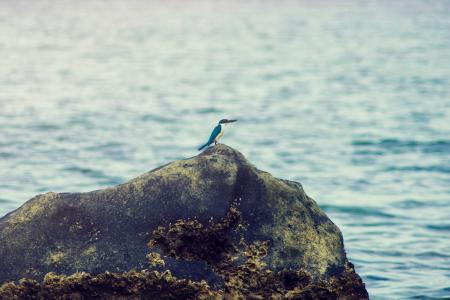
(108, 230)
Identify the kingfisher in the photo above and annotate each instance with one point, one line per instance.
(217, 133)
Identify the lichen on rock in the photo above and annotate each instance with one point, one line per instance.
(188, 208)
(243, 270)
(134, 284)
(242, 266)
(192, 240)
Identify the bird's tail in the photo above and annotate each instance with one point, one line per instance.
(203, 146)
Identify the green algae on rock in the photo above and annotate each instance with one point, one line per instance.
(107, 230)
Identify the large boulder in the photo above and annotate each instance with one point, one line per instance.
(108, 230)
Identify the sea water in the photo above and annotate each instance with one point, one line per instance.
(350, 98)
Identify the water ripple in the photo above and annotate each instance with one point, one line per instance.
(439, 169)
(402, 146)
(439, 227)
(357, 210)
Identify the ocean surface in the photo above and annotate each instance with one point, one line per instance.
(350, 99)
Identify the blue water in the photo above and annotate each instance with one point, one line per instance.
(352, 100)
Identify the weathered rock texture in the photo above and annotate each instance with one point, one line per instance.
(108, 230)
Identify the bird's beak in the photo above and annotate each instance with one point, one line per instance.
(231, 121)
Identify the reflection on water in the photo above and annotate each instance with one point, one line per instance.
(351, 100)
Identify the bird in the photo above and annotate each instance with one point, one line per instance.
(216, 133)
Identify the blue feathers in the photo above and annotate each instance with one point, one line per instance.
(213, 136)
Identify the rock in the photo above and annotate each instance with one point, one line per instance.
(108, 230)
